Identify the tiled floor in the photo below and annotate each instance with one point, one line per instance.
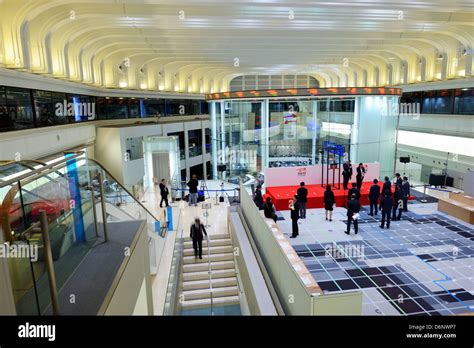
(422, 265)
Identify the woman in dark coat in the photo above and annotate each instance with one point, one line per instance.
(329, 201)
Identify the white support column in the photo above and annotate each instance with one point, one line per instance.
(203, 149)
(265, 134)
(355, 131)
(186, 152)
(314, 138)
(215, 148)
(222, 137)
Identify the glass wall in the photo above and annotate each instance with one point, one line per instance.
(19, 108)
(22, 108)
(49, 108)
(446, 101)
(180, 136)
(195, 142)
(464, 101)
(291, 132)
(252, 135)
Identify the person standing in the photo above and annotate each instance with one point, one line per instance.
(269, 210)
(258, 198)
(346, 173)
(353, 191)
(302, 194)
(329, 201)
(386, 208)
(406, 193)
(193, 190)
(294, 214)
(353, 208)
(196, 234)
(163, 193)
(397, 196)
(387, 185)
(374, 195)
(360, 175)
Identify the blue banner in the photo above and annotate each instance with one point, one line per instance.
(333, 148)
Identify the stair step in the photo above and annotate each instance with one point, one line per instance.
(206, 302)
(206, 293)
(200, 267)
(212, 250)
(212, 242)
(211, 237)
(206, 259)
(204, 283)
(216, 274)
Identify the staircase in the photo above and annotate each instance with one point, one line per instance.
(196, 282)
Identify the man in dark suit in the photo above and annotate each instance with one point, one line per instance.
(397, 196)
(197, 231)
(360, 175)
(353, 191)
(374, 195)
(406, 193)
(353, 207)
(387, 185)
(258, 199)
(302, 194)
(386, 207)
(269, 210)
(346, 173)
(193, 190)
(294, 214)
(163, 193)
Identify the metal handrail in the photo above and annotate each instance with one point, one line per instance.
(178, 255)
(123, 188)
(210, 272)
(46, 167)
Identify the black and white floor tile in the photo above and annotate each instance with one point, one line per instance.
(422, 265)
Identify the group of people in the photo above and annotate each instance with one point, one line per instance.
(297, 206)
(382, 199)
(347, 174)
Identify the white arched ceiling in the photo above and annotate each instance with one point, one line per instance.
(200, 46)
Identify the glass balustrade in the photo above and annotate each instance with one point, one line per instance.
(72, 194)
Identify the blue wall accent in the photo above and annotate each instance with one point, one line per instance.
(75, 194)
(170, 218)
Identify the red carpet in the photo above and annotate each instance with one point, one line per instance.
(282, 194)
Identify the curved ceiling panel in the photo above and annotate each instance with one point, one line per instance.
(200, 46)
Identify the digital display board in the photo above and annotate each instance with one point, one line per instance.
(305, 92)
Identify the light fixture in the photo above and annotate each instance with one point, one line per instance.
(143, 86)
(122, 84)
